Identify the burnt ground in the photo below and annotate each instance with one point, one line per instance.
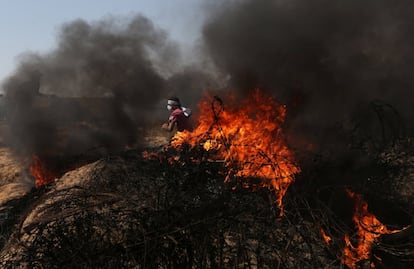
(126, 211)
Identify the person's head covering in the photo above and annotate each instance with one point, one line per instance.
(173, 101)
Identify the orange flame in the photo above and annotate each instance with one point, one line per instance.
(40, 172)
(326, 237)
(249, 138)
(368, 227)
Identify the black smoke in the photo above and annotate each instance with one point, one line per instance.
(334, 63)
(337, 65)
(93, 93)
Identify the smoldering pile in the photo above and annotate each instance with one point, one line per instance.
(169, 210)
(126, 211)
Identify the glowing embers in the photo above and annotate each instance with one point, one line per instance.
(247, 135)
(42, 172)
(368, 229)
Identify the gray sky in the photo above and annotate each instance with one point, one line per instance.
(32, 26)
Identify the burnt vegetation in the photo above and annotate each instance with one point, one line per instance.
(127, 211)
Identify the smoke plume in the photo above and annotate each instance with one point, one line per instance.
(95, 91)
(341, 67)
(329, 61)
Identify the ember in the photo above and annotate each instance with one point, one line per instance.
(248, 137)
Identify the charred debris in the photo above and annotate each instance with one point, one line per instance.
(171, 207)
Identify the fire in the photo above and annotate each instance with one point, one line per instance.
(41, 173)
(368, 229)
(326, 237)
(248, 137)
